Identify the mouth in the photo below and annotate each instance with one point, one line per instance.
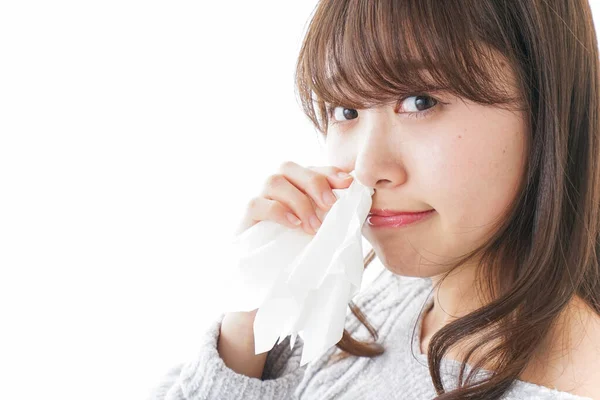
(393, 213)
(397, 219)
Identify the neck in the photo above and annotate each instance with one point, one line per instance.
(454, 297)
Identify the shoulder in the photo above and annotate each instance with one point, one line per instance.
(569, 363)
(581, 373)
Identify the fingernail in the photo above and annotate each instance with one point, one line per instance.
(344, 175)
(314, 222)
(329, 198)
(293, 219)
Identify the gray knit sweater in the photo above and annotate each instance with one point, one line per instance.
(393, 305)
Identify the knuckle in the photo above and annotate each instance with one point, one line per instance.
(295, 205)
(274, 208)
(317, 182)
(325, 170)
(274, 181)
(306, 207)
(253, 203)
(332, 171)
(286, 165)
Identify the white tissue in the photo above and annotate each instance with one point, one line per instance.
(302, 283)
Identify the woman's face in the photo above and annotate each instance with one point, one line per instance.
(462, 159)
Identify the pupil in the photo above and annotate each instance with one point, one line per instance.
(349, 113)
(420, 102)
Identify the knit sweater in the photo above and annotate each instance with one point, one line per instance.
(393, 305)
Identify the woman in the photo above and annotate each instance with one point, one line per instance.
(479, 119)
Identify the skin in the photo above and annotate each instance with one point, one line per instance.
(466, 161)
(462, 159)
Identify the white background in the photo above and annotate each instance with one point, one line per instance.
(132, 135)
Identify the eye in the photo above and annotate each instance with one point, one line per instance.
(416, 106)
(419, 103)
(337, 113)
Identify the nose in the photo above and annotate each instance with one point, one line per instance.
(379, 161)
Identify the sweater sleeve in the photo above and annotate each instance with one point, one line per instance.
(206, 377)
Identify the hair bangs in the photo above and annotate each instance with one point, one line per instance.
(363, 54)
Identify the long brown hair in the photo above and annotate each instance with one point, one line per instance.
(360, 53)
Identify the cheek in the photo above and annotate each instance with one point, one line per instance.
(340, 151)
(474, 180)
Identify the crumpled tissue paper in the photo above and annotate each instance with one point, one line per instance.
(301, 283)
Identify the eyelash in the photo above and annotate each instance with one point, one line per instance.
(414, 114)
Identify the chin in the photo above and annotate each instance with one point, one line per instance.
(403, 257)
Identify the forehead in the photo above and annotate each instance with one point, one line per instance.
(416, 66)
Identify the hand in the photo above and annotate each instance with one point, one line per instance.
(297, 192)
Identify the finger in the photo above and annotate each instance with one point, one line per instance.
(332, 173)
(279, 188)
(262, 209)
(314, 184)
(321, 214)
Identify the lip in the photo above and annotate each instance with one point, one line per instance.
(390, 213)
(398, 220)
